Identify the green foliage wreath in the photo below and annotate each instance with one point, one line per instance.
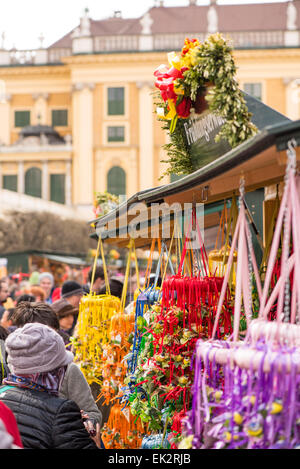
(208, 69)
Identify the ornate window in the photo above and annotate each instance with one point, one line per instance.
(116, 181)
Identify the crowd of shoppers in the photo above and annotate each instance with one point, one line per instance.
(45, 400)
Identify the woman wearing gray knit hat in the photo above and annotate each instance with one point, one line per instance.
(38, 360)
(46, 282)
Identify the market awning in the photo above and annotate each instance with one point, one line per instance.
(69, 260)
(261, 160)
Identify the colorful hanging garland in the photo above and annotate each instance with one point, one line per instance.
(203, 75)
(163, 376)
(93, 330)
(93, 326)
(121, 431)
(246, 392)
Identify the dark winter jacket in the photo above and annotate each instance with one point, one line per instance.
(45, 421)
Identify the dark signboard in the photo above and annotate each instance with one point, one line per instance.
(201, 130)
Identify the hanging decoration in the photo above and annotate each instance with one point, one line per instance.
(163, 375)
(247, 392)
(218, 258)
(120, 431)
(202, 76)
(148, 297)
(93, 325)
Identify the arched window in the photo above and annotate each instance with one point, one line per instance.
(33, 182)
(116, 181)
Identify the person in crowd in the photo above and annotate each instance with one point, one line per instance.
(30, 312)
(132, 287)
(38, 293)
(34, 278)
(115, 286)
(56, 295)
(25, 297)
(47, 284)
(4, 293)
(3, 333)
(6, 320)
(21, 315)
(151, 280)
(10, 437)
(38, 361)
(72, 292)
(65, 313)
(23, 288)
(74, 385)
(99, 280)
(13, 286)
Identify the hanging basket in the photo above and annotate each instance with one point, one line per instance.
(93, 332)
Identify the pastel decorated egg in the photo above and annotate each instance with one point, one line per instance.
(254, 428)
(228, 437)
(276, 407)
(238, 419)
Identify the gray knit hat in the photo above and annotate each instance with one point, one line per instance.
(46, 275)
(36, 348)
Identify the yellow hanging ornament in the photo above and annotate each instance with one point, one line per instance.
(93, 327)
(95, 313)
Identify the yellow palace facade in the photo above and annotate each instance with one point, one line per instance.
(78, 117)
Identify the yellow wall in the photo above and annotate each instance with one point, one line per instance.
(275, 94)
(92, 155)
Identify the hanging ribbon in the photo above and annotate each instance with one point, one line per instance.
(147, 298)
(131, 252)
(100, 248)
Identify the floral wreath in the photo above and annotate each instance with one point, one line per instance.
(203, 71)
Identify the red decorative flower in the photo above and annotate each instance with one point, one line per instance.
(184, 108)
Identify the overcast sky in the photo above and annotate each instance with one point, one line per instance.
(23, 21)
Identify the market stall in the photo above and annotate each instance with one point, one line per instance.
(59, 263)
(179, 393)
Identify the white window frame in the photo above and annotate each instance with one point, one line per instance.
(115, 124)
